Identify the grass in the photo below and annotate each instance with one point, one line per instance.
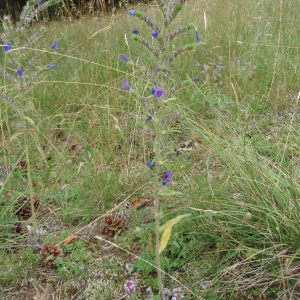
(239, 175)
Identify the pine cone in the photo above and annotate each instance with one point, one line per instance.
(112, 225)
(23, 165)
(23, 206)
(49, 254)
(19, 229)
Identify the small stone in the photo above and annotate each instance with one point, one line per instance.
(128, 269)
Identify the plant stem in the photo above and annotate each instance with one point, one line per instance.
(25, 133)
(157, 148)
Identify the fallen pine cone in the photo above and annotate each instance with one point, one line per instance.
(49, 253)
(23, 165)
(113, 225)
(23, 206)
(19, 229)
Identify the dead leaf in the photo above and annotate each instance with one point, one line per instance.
(139, 203)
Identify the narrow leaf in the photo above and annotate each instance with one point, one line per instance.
(165, 239)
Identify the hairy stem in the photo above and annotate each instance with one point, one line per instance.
(157, 147)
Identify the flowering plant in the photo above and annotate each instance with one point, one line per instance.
(22, 67)
(159, 46)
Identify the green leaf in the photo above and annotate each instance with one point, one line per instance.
(172, 222)
(169, 193)
(165, 239)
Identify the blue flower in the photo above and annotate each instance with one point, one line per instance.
(126, 86)
(135, 31)
(159, 93)
(158, 69)
(196, 79)
(54, 46)
(39, 1)
(132, 12)
(149, 118)
(51, 67)
(198, 39)
(124, 57)
(152, 91)
(155, 34)
(149, 164)
(20, 73)
(7, 48)
(167, 178)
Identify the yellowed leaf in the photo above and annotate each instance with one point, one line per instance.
(172, 222)
(165, 239)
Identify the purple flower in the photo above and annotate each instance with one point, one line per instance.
(129, 287)
(167, 178)
(126, 85)
(155, 34)
(159, 93)
(51, 67)
(198, 39)
(5, 170)
(149, 118)
(7, 48)
(20, 73)
(158, 69)
(149, 164)
(54, 46)
(124, 57)
(196, 79)
(39, 1)
(135, 31)
(132, 12)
